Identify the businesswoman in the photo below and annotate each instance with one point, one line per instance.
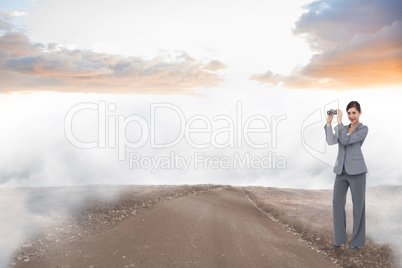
(350, 169)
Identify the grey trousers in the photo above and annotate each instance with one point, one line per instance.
(357, 184)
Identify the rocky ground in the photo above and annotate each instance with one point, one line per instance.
(99, 214)
(308, 214)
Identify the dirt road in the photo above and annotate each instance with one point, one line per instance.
(214, 229)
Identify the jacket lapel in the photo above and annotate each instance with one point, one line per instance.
(357, 127)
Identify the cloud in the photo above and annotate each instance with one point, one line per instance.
(359, 44)
(214, 66)
(28, 66)
(339, 20)
(5, 17)
(15, 45)
(5, 24)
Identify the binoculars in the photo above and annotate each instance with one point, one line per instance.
(332, 111)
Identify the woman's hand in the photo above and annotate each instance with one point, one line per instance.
(339, 112)
(329, 119)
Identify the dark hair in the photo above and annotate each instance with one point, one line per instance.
(353, 104)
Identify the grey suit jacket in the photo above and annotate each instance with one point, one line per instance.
(349, 148)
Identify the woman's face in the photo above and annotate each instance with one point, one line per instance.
(353, 115)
